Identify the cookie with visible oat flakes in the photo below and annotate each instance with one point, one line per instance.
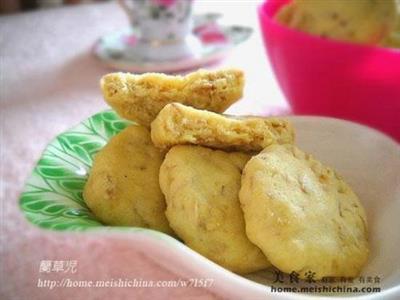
(359, 21)
(201, 188)
(302, 215)
(123, 188)
(140, 98)
(177, 124)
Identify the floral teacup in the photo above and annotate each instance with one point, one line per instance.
(163, 27)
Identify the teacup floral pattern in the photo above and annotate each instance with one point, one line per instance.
(160, 20)
(215, 42)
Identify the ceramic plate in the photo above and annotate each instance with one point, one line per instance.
(216, 41)
(367, 159)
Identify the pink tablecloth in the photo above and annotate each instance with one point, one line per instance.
(49, 82)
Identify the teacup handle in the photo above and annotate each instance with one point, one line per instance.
(129, 10)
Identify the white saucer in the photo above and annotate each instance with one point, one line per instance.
(211, 41)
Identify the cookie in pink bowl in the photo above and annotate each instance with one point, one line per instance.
(332, 78)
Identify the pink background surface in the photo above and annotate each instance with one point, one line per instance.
(49, 82)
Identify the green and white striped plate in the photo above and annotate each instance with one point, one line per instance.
(52, 197)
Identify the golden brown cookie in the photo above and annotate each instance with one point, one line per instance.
(201, 188)
(302, 215)
(360, 21)
(140, 97)
(123, 188)
(178, 124)
(285, 14)
(393, 40)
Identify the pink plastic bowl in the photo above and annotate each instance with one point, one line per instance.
(331, 78)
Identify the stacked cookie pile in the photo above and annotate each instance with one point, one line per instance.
(234, 189)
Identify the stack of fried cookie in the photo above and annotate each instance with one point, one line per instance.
(234, 189)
